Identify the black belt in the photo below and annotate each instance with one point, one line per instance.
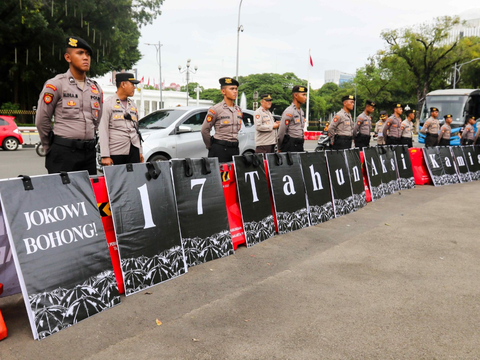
(406, 137)
(298, 140)
(363, 136)
(342, 137)
(433, 135)
(225, 143)
(75, 144)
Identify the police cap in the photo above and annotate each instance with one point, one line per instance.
(432, 109)
(348, 97)
(228, 81)
(370, 102)
(119, 77)
(266, 97)
(299, 89)
(408, 112)
(447, 116)
(75, 42)
(398, 106)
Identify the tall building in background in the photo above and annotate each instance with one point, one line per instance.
(338, 77)
(471, 27)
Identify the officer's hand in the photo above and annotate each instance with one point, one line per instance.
(107, 161)
(141, 158)
(276, 125)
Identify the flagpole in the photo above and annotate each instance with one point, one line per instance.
(142, 106)
(308, 92)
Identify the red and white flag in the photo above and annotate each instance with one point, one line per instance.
(148, 83)
(142, 79)
(311, 60)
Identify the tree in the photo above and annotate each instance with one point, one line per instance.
(212, 94)
(191, 89)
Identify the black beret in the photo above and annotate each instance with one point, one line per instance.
(408, 112)
(432, 109)
(383, 112)
(299, 89)
(370, 102)
(398, 106)
(228, 81)
(119, 77)
(447, 116)
(348, 97)
(74, 42)
(266, 97)
(471, 117)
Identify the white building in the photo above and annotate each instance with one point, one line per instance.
(470, 28)
(338, 77)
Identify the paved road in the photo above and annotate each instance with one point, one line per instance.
(394, 280)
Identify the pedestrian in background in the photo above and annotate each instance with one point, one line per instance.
(379, 127)
(265, 126)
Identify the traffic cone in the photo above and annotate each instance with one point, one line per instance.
(3, 327)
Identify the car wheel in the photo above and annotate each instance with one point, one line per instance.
(158, 157)
(10, 144)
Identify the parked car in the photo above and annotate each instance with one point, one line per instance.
(10, 136)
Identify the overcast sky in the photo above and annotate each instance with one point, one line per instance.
(277, 35)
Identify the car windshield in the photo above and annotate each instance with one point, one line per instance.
(160, 119)
(446, 104)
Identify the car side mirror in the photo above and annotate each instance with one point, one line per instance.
(183, 129)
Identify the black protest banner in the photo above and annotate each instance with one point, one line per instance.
(356, 178)
(340, 183)
(59, 248)
(404, 168)
(434, 165)
(143, 208)
(476, 157)
(288, 189)
(472, 164)
(317, 184)
(201, 210)
(450, 175)
(9, 277)
(254, 197)
(374, 171)
(461, 164)
(388, 169)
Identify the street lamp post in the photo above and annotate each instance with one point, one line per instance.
(158, 46)
(457, 68)
(239, 28)
(188, 71)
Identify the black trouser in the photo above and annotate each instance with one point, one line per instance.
(391, 140)
(265, 149)
(132, 157)
(342, 142)
(444, 142)
(292, 144)
(467, 142)
(362, 140)
(431, 140)
(65, 158)
(406, 141)
(223, 150)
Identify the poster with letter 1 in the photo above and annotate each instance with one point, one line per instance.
(254, 198)
(356, 178)
(372, 163)
(340, 183)
(288, 190)
(145, 219)
(404, 167)
(461, 164)
(201, 210)
(473, 166)
(450, 175)
(317, 184)
(59, 248)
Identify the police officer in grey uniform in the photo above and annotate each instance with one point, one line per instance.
(468, 133)
(76, 101)
(291, 129)
(265, 126)
(120, 139)
(363, 126)
(341, 128)
(226, 117)
(445, 132)
(379, 127)
(391, 130)
(431, 128)
(406, 129)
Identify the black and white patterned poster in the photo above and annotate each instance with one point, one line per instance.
(434, 165)
(404, 168)
(476, 158)
(374, 171)
(317, 184)
(146, 224)
(449, 175)
(8, 274)
(288, 189)
(340, 183)
(254, 197)
(461, 164)
(201, 210)
(356, 178)
(59, 248)
(472, 163)
(388, 169)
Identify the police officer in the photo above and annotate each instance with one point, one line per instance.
(406, 129)
(226, 117)
(341, 128)
(363, 126)
(431, 128)
(391, 130)
(468, 133)
(118, 131)
(265, 126)
(290, 133)
(76, 101)
(379, 127)
(445, 132)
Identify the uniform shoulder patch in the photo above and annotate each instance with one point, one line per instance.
(50, 86)
(335, 119)
(287, 121)
(257, 116)
(289, 115)
(209, 118)
(388, 123)
(211, 111)
(359, 122)
(47, 98)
